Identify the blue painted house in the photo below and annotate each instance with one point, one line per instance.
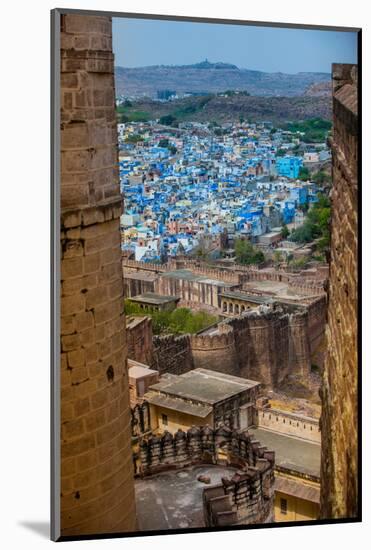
(299, 195)
(289, 166)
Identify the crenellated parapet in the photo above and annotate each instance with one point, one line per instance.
(140, 419)
(245, 498)
(145, 266)
(216, 350)
(201, 445)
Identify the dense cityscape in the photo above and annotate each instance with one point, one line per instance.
(198, 188)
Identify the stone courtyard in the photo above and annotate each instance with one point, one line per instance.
(173, 499)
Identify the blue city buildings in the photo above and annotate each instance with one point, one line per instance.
(299, 195)
(289, 166)
(230, 184)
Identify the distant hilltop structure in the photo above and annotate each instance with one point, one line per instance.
(213, 77)
(206, 64)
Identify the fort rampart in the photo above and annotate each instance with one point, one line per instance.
(266, 344)
(246, 498)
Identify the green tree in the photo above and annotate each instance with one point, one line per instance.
(316, 224)
(134, 138)
(315, 130)
(321, 177)
(168, 120)
(303, 234)
(178, 321)
(247, 254)
(285, 232)
(123, 119)
(304, 174)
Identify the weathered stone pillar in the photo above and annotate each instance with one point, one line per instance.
(97, 486)
(339, 469)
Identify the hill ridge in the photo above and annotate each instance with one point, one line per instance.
(212, 78)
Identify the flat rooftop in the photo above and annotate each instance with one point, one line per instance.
(188, 275)
(291, 453)
(204, 385)
(153, 299)
(138, 370)
(246, 297)
(140, 275)
(199, 410)
(276, 288)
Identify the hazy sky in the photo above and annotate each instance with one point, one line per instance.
(141, 42)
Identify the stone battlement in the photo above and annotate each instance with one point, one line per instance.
(145, 266)
(202, 444)
(223, 337)
(247, 496)
(238, 345)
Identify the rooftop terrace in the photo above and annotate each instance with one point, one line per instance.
(204, 386)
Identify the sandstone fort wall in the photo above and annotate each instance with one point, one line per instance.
(339, 468)
(265, 345)
(139, 339)
(172, 354)
(97, 488)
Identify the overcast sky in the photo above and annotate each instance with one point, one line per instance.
(143, 42)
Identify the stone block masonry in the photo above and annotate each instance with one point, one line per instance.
(172, 354)
(217, 351)
(97, 487)
(339, 467)
(139, 339)
(267, 344)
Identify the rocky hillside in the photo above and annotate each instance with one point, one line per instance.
(212, 78)
(319, 89)
(230, 109)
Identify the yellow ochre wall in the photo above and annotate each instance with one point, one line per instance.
(176, 420)
(297, 508)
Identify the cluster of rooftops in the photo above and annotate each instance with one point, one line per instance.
(185, 188)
